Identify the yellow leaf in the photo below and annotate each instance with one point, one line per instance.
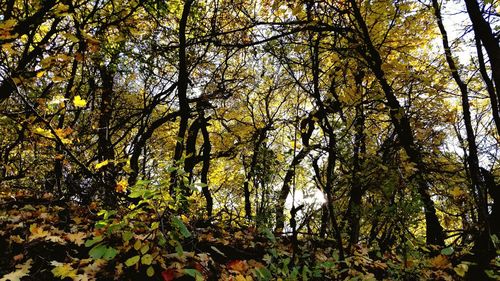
(22, 271)
(77, 238)
(83, 277)
(43, 132)
(79, 102)
(63, 270)
(121, 186)
(137, 244)
(461, 269)
(37, 232)
(8, 24)
(456, 192)
(240, 277)
(71, 37)
(61, 8)
(440, 261)
(101, 164)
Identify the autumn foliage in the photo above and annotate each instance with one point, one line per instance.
(249, 140)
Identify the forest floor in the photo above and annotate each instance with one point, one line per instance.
(43, 239)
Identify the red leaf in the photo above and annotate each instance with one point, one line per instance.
(237, 265)
(168, 275)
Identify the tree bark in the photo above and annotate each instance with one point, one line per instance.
(484, 32)
(184, 109)
(285, 189)
(105, 149)
(401, 123)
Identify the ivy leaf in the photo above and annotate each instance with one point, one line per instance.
(133, 260)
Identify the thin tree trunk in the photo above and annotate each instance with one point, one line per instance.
(105, 148)
(285, 189)
(484, 32)
(481, 247)
(206, 165)
(354, 208)
(489, 85)
(472, 160)
(434, 230)
(184, 110)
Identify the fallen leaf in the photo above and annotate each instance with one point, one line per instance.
(22, 271)
(169, 274)
(440, 261)
(237, 265)
(77, 238)
(37, 232)
(461, 269)
(63, 270)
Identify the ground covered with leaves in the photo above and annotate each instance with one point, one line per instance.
(43, 239)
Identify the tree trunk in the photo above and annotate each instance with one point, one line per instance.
(206, 164)
(285, 189)
(483, 31)
(399, 118)
(105, 147)
(184, 110)
(354, 208)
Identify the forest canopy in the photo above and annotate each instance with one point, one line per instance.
(249, 140)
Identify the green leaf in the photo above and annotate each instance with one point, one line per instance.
(137, 193)
(98, 251)
(147, 259)
(447, 251)
(127, 235)
(144, 249)
(110, 253)
(193, 273)
(155, 225)
(162, 241)
(133, 260)
(178, 249)
(100, 224)
(269, 235)
(263, 274)
(181, 227)
(150, 271)
(93, 241)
